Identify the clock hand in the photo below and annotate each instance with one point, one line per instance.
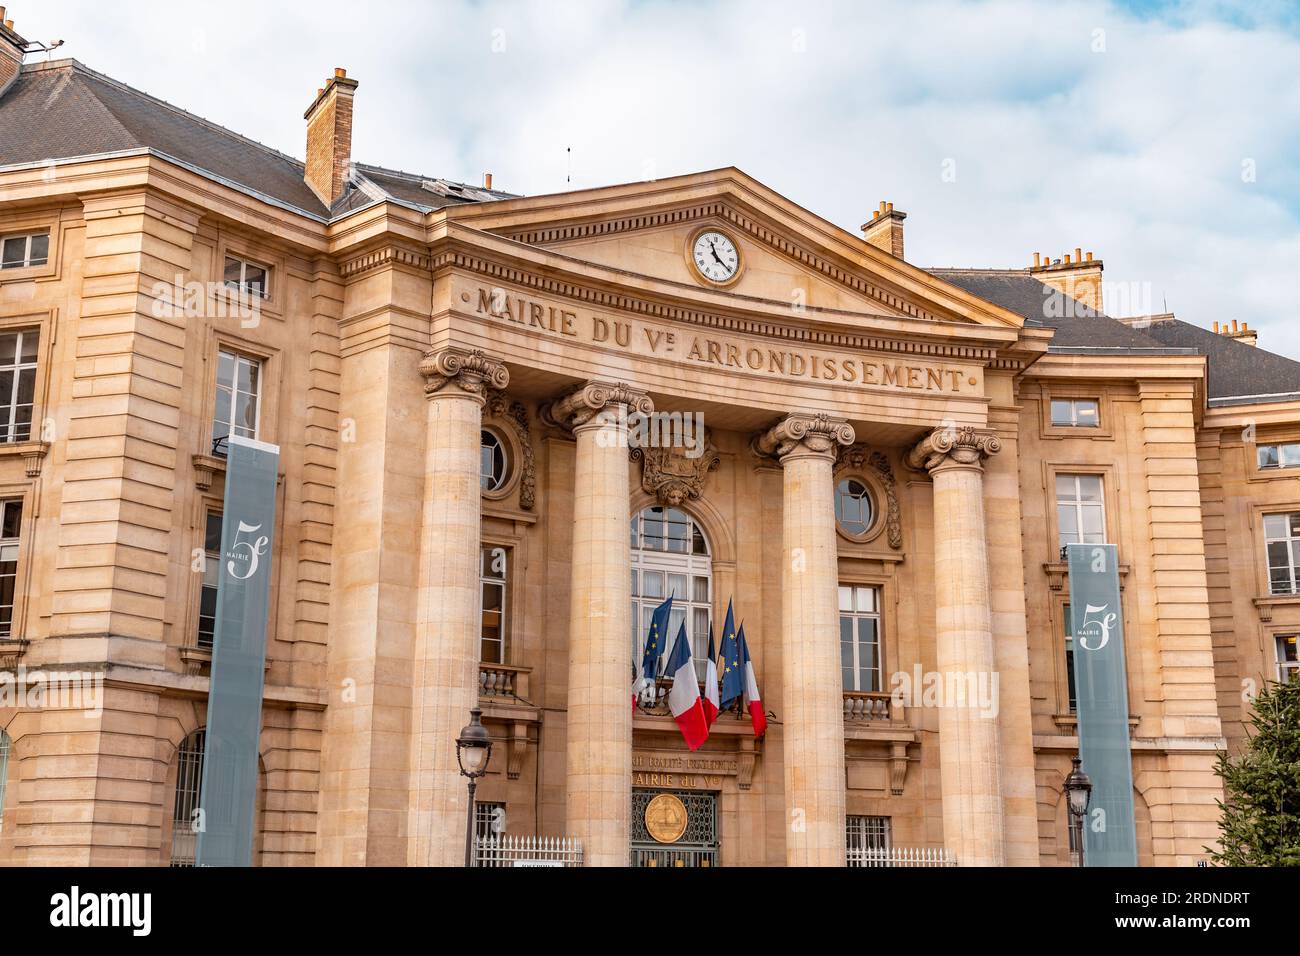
(714, 250)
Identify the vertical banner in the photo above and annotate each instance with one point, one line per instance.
(228, 793)
(1101, 692)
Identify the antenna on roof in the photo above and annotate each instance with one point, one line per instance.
(568, 164)
(36, 46)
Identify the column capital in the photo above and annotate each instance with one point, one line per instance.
(586, 402)
(950, 446)
(452, 372)
(803, 435)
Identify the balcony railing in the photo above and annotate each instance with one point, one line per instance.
(504, 680)
(867, 705)
(899, 856)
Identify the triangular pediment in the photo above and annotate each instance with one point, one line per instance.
(789, 256)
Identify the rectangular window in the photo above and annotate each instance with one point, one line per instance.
(17, 384)
(1075, 412)
(1069, 660)
(1080, 511)
(860, 663)
(11, 523)
(493, 580)
(236, 408)
(211, 576)
(1288, 657)
(19, 252)
(1282, 546)
(869, 833)
(489, 819)
(1279, 456)
(247, 276)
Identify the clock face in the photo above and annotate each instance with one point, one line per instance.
(715, 256)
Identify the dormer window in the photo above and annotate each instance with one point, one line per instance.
(20, 252)
(248, 276)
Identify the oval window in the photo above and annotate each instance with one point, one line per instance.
(853, 507)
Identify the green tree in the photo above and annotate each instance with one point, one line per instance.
(1260, 821)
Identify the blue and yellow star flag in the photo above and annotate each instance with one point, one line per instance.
(656, 640)
(733, 673)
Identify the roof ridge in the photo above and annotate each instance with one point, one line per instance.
(80, 67)
(983, 270)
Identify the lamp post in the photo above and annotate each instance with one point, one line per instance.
(473, 749)
(1078, 791)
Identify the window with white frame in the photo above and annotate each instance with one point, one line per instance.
(1285, 455)
(868, 833)
(211, 578)
(236, 409)
(30, 249)
(189, 785)
(1075, 413)
(248, 276)
(860, 663)
(1288, 657)
(670, 556)
(1080, 510)
(17, 383)
(11, 524)
(1282, 545)
(493, 611)
(5, 744)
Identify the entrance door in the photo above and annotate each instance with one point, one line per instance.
(674, 828)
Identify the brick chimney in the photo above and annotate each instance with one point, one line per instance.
(329, 138)
(1243, 334)
(884, 229)
(1077, 275)
(11, 53)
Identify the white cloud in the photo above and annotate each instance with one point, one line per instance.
(1135, 153)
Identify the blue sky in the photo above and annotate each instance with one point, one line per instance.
(1164, 137)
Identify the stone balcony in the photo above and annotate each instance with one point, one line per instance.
(505, 695)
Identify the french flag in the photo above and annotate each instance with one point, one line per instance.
(752, 700)
(684, 699)
(711, 683)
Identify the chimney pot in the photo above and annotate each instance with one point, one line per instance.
(1036, 260)
(1067, 258)
(487, 180)
(1078, 254)
(2, 13)
(340, 73)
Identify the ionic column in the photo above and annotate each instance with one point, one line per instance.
(811, 687)
(969, 753)
(447, 632)
(598, 800)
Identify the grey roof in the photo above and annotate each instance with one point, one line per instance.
(63, 109)
(1237, 372)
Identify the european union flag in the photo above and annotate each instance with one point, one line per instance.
(656, 640)
(733, 672)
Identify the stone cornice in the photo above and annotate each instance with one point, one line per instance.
(582, 405)
(953, 446)
(472, 373)
(801, 435)
(593, 295)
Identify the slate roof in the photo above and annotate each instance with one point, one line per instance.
(83, 113)
(1239, 373)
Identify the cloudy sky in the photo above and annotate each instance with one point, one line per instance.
(1165, 137)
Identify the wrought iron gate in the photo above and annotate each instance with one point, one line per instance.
(697, 845)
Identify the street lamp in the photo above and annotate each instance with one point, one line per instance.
(1078, 791)
(473, 749)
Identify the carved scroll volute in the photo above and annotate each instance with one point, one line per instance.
(471, 373)
(584, 404)
(953, 447)
(803, 435)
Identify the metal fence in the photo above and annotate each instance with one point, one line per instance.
(901, 856)
(527, 851)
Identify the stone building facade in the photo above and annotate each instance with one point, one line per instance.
(890, 460)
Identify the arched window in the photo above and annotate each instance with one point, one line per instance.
(671, 556)
(189, 782)
(4, 773)
(853, 507)
(492, 461)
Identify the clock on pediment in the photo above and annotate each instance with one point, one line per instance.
(714, 257)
